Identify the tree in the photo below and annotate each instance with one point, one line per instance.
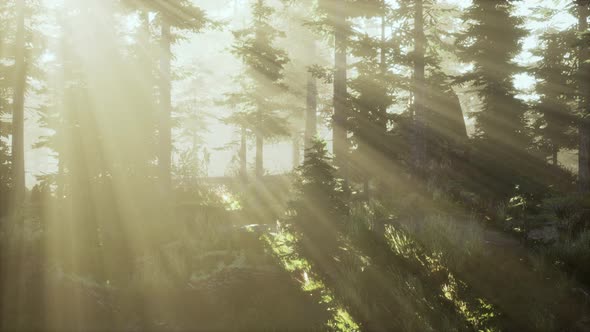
(371, 95)
(18, 107)
(419, 85)
(555, 126)
(337, 20)
(261, 82)
(584, 97)
(181, 15)
(319, 207)
(432, 127)
(301, 81)
(490, 43)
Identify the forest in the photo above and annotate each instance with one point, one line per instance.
(294, 165)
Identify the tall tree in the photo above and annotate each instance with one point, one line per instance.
(584, 95)
(173, 15)
(419, 86)
(491, 42)
(554, 73)
(265, 62)
(339, 126)
(18, 107)
(371, 94)
(337, 20)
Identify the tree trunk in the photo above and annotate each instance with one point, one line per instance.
(554, 153)
(311, 110)
(296, 150)
(165, 129)
(584, 127)
(419, 144)
(243, 154)
(18, 110)
(259, 156)
(339, 130)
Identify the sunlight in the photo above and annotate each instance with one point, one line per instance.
(368, 165)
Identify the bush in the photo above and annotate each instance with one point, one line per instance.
(571, 212)
(573, 254)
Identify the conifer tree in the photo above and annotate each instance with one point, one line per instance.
(337, 19)
(180, 15)
(261, 81)
(371, 95)
(18, 106)
(319, 206)
(583, 11)
(433, 124)
(556, 87)
(491, 42)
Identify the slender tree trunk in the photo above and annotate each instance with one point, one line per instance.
(311, 106)
(383, 68)
(554, 153)
(339, 130)
(243, 154)
(584, 86)
(419, 88)
(165, 129)
(259, 156)
(296, 150)
(18, 110)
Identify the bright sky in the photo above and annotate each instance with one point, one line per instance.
(277, 156)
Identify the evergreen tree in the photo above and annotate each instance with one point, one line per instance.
(372, 91)
(20, 50)
(431, 129)
(18, 107)
(337, 21)
(491, 42)
(180, 15)
(583, 12)
(261, 81)
(319, 207)
(556, 88)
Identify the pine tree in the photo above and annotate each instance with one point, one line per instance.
(261, 81)
(432, 127)
(555, 126)
(337, 20)
(301, 45)
(319, 206)
(491, 42)
(173, 15)
(371, 95)
(5, 109)
(18, 107)
(584, 96)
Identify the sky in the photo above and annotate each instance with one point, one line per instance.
(201, 50)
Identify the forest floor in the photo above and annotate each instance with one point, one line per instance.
(250, 278)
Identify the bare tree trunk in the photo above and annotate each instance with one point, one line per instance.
(243, 154)
(339, 130)
(419, 148)
(259, 156)
(165, 130)
(554, 153)
(584, 77)
(18, 110)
